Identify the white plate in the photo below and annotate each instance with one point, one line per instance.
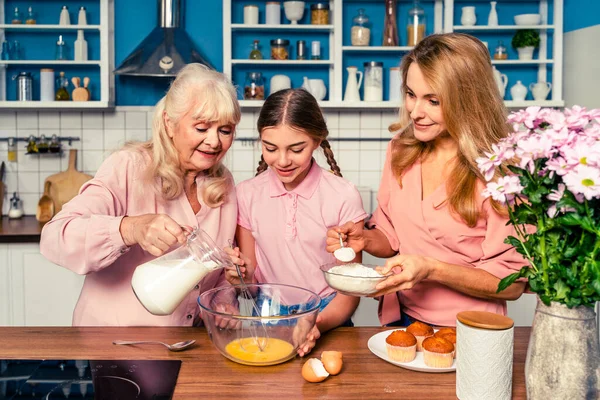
(377, 346)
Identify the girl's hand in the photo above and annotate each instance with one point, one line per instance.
(408, 270)
(311, 339)
(155, 233)
(352, 235)
(246, 267)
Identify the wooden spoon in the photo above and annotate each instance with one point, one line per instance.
(45, 208)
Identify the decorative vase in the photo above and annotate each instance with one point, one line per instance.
(468, 17)
(493, 16)
(525, 53)
(563, 357)
(518, 91)
(390, 24)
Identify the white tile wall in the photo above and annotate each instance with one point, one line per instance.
(103, 132)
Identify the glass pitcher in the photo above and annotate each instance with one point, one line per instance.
(162, 284)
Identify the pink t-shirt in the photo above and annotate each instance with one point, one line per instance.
(426, 227)
(84, 237)
(290, 227)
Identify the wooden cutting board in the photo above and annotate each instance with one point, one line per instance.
(65, 185)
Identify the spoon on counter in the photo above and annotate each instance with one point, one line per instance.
(179, 346)
(344, 254)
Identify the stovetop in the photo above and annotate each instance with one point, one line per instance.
(88, 379)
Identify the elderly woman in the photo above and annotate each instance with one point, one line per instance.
(144, 198)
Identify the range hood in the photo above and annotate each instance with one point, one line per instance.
(166, 49)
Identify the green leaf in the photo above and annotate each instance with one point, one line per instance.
(596, 285)
(562, 290)
(512, 278)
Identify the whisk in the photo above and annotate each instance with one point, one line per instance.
(260, 342)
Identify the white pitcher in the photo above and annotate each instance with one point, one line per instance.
(352, 93)
(540, 90)
(316, 87)
(501, 81)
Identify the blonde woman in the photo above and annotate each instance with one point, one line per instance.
(145, 196)
(446, 242)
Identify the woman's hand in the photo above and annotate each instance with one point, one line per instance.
(307, 343)
(408, 270)
(352, 235)
(155, 233)
(246, 267)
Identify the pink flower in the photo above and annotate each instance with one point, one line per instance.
(488, 164)
(558, 165)
(504, 189)
(585, 180)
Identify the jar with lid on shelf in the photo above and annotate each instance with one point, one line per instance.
(280, 49)
(500, 52)
(361, 31)
(16, 17)
(373, 81)
(254, 87)
(319, 14)
(415, 29)
(30, 17)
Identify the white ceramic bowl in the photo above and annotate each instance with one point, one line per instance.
(294, 10)
(350, 283)
(528, 19)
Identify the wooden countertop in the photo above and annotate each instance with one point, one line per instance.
(22, 230)
(205, 373)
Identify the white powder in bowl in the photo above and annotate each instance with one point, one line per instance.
(354, 279)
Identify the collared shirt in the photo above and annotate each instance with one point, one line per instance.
(426, 227)
(85, 238)
(290, 227)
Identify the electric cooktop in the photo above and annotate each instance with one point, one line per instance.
(88, 379)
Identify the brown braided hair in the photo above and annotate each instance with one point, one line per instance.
(298, 109)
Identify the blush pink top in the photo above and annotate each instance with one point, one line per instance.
(290, 227)
(426, 227)
(84, 237)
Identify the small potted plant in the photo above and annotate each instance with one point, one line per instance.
(525, 41)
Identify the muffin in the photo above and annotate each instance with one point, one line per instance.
(401, 346)
(421, 331)
(443, 331)
(449, 336)
(438, 352)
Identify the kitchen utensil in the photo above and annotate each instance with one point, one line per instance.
(260, 341)
(287, 312)
(24, 86)
(80, 93)
(344, 254)
(66, 184)
(352, 281)
(528, 19)
(352, 93)
(45, 207)
(179, 346)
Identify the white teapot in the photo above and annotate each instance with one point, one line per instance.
(501, 81)
(540, 90)
(316, 87)
(518, 91)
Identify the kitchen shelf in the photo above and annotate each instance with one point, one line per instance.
(298, 27)
(521, 62)
(530, 103)
(281, 62)
(49, 62)
(377, 49)
(48, 28)
(335, 104)
(499, 27)
(55, 104)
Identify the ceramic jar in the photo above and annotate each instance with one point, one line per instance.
(540, 90)
(468, 17)
(518, 91)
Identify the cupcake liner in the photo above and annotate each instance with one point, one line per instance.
(401, 354)
(438, 360)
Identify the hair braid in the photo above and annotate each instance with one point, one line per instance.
(330, 159)
(262, 166)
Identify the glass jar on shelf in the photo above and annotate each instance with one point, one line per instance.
(500, 52)
(16, 17)
(280, 49)
(361, 31)
(61, 49)
(30, 17)
(319, 14)
(415, 29)
(255, 53)
(390, 25)
(254, 88)
(373, 85)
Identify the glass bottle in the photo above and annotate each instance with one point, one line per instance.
(54, 145)
(43, 145)
(30, 17)
(254, 88)
(360, 33)
(32, 145)
(61, 49)
(12, 149)
(255, 53)
(500, 53)
(17, 19)
(390, 27)
(61, 83)
(415, 29)
(5, 50)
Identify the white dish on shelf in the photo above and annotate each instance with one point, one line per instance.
(528, 19)
(377, 346)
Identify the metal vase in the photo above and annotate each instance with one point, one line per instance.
(563, 358)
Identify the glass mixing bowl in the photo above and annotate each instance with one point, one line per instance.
(288, 313)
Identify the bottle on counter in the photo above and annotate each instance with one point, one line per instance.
(16, 207)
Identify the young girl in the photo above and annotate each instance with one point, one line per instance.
(284, 212)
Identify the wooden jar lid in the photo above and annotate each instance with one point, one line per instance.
(485, 320)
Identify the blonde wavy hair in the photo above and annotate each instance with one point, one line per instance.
(209, 96)
(459, 71)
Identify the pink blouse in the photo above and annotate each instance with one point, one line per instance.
(426, 227)
(84, 237)
(290, 227)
